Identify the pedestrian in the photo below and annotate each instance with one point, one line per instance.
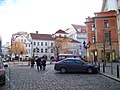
(32, 62)
(44, 63)
(39, 63)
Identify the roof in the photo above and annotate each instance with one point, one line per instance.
(61, 31)
(41, 36)
(76, 27)
(66, 39)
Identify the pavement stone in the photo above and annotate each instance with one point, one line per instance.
(110, 73)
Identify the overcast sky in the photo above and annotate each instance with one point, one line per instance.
(44, 16)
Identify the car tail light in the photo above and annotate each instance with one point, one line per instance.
(2, 72)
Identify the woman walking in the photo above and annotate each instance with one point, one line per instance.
(39, 64)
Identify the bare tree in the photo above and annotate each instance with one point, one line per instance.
(61, 45)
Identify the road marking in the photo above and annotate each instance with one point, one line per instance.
(48, 71)
(11, 84)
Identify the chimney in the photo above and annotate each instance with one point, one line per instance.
(36, 32)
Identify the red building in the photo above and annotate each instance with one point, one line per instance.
(102, 34)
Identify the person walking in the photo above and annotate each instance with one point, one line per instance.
(44, 63)
(39, 63)
(32, 62)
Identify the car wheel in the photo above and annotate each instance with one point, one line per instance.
(89, 70)
(63, 70)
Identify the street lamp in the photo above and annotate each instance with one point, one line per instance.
(86, 46)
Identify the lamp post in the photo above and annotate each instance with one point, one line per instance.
(86, 46)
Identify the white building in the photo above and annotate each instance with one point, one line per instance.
(23, 36)
(41, 44)
(60, 33)
(79, 33)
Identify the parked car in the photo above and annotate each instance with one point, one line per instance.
(63, 56)
(2, 72)
(75, 65)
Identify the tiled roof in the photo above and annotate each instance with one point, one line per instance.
(41, 36)
(76, 27)
(61, 31)
(66, 38)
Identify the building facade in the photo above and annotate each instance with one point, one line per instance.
(42, 44)
(113, 5)
(102, 32)
(68, 42)
(79, 33)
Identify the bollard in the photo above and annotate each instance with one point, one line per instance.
(117, 71)
(98, 66)
(103, 68)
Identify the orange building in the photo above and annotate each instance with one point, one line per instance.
(102, 34)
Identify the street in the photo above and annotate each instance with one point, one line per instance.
(27, 78)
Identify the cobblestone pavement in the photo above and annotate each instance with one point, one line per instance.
(26, 78)
(111, 70)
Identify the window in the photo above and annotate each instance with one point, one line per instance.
(41, 43)
(106, 24)
(45, 43)
(93, 27)
(69, 61)
(93, 39)
(51, 50)
(37, 50)
(51, 44)
(41, 50)
(46, 50)
(79, 61)
(34, 43)
(24, 40)
(59, 35)
(37, 43)
(107, 38)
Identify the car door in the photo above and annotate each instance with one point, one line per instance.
(70, 64)
(79, 65)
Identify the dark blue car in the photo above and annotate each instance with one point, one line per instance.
(75, 65)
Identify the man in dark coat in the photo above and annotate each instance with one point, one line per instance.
(39, 64)
(32, 62)
(44, 63)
